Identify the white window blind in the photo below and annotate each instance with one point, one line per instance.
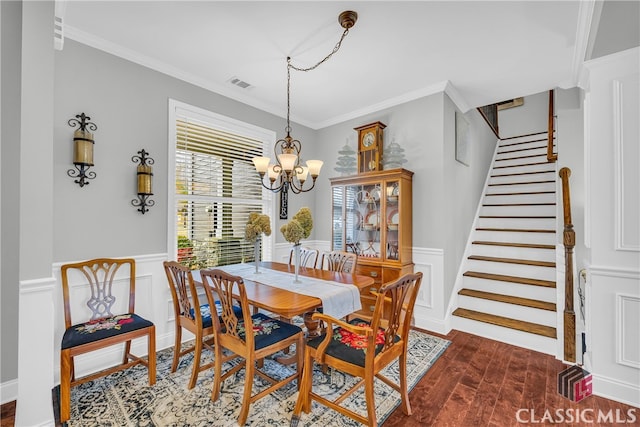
(216, 188)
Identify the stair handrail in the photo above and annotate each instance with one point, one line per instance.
(551, 156)
(569, 241)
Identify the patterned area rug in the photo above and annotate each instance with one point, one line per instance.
(125, 398)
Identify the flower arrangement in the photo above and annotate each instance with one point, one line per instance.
(256, 225)
(299, 227)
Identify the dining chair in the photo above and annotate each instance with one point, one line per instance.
(341, 261)
(308, 257)
(362, 349)
(102, 328)
(191, 315)
(268, 336)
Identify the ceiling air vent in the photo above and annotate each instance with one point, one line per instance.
(237, 82)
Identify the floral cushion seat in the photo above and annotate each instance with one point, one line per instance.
(205, 311)
(268, 331)
(95, 330)
(347, 346)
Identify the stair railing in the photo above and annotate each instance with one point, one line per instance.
(551, 156)
(569, 241)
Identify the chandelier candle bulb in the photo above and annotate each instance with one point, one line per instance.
(261, 164)
(314, 167)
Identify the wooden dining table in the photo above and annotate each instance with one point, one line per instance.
(287, 303)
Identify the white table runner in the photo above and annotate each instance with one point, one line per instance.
(338, 299)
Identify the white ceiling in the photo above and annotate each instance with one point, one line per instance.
(482, 52)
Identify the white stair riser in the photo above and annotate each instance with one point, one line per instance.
(540, 293)
(508, 269)
(523, 167)
(536, 210)
(521, 223)
(521, 150)
(519, 198)
(514, 252)
(541, 138)
(521, 188)
(514, 160)
(516, 237)
(512, 311)
(506, 335)
(501, 177)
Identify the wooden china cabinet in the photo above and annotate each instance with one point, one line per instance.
(372, 217)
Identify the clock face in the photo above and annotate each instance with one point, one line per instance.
(368, 139)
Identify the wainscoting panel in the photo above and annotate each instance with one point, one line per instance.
(429, 312)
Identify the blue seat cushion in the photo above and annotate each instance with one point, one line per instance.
(268, 330)
(96, 330)
(205, 311)
(350, 347)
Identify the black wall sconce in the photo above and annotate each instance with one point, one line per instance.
(82, 149)
(145, 173)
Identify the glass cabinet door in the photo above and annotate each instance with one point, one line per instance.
(392, 220)
(337, 209)
(366, 213)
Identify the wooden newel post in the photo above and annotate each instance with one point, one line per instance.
(569, 241)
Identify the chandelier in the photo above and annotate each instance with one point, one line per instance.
(288, 172)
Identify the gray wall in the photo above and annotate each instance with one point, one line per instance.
(532, 117)
(10, 80)
(129, 104)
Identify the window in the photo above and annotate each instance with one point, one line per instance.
(214, 186)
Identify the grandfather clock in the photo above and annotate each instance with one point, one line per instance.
(370, 147)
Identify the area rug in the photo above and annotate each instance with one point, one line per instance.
(125, 398)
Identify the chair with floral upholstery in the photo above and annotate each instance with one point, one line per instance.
(191, 315)
(103, 328)
(268, 336)
(363, 349)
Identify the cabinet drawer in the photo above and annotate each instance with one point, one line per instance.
(371, 271)
(368, 304)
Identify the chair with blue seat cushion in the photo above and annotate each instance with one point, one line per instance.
(106, 282)
(267, 336)
(363, 349)
(191, 315)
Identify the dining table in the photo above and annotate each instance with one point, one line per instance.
(285, 298)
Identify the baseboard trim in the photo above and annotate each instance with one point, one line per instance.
(8, 391)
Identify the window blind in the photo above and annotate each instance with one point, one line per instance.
(216, 189)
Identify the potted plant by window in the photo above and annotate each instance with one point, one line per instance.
(185, 249)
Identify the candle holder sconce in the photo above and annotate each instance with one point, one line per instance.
(82, 149)
(145, 174)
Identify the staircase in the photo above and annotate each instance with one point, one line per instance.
(508, 290)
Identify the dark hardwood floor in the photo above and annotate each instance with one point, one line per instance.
(480, 382)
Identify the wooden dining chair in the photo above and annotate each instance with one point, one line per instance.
(102, 328)
(362, 349)
(308, 257)
(268, 336)
(191, 315)
(341, 261)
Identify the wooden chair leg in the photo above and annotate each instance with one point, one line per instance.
(65, 385)
(176, 347)
(151, 358)
(197, 354)
(246, 397)
(404, 393)
(370, 399)
(127, 352)
(217, 374)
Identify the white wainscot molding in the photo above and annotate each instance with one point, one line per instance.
(430, 306)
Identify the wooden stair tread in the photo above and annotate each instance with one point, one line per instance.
(524, 193)
(522, 183)
(524, 164)
(514, 261)
(510, 279)
(509, 299)
(519, 216)
(518, 204)
(521, 173)
(533, 328)
(515, 230)
(517, 245)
